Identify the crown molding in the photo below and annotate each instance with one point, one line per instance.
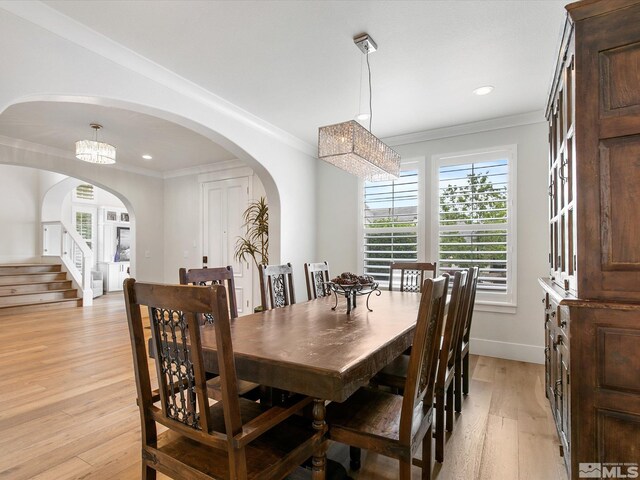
(65, 27)
(200, 169)
(467, 128)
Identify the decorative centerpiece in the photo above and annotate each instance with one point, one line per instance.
(351, 286)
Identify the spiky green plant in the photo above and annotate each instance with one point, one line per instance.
(255, 243)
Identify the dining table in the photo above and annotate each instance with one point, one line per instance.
(311, 349)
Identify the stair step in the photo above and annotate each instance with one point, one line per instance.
(35, 287)
(32, 297)
(13, 268)
(35, 307)
(18, 278)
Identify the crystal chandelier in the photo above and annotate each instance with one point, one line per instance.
(93, 151)
(351, 147)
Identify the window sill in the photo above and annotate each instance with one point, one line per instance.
(495, 307)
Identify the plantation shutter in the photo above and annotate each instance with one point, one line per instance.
(474, 222)
(390, 224)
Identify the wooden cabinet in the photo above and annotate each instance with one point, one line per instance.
(114, 274)
(592, 295)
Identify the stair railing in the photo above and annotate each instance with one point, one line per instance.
(61, 241)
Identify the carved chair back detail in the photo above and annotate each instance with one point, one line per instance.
(412, 275)
(276, 286)
(316, 275)
(213, 276)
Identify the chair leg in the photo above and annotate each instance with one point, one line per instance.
(148, 473)
(405, 470)
(439, 426)
(449, 408)
(457, 380)
(354, 458)
(426, 454)
(465, 374)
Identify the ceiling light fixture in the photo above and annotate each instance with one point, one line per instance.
(93, 151)
(486, 90)
(147, 157)
(351, 147)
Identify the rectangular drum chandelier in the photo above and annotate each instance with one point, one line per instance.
(351, 147)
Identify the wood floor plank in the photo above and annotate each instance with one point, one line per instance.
(500, 449)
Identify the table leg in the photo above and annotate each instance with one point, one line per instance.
(319, 456)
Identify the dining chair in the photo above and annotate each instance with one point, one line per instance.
(411, 275)
(394, 375)
(463, 340)
(317, 276)
(234, 438)
(394, 425)
(276, 286)
(218, 276)
(213, 276)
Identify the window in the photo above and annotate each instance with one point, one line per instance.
(390, 224)
(84, 193)
(84, 226)
(474, 221)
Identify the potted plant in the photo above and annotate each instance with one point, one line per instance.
(255, 244)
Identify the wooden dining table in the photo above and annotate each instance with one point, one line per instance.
(310, 349)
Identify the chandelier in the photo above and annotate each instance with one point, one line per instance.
(93, 151)
(351, 147)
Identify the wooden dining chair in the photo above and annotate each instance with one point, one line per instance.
(218, 276)
(412, 275)
(394, 375)
(276, 286)
(463, 340)
(213, 276)
(317, 275)
(394, 425)
(234, 438)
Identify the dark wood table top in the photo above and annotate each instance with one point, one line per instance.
(308, 348)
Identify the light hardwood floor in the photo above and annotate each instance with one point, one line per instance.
(68, 409)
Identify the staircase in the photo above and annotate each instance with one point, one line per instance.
(35, 287)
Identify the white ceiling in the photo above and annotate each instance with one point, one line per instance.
(60, 125)
(294, 64)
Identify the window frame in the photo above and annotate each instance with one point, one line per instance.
(497, 302)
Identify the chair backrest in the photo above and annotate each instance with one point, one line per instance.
(317, 275)
(276, 286)
(421, 372)
(453, 323)
(174, 312)
(411, 275)
(472, 286)
(212, 276)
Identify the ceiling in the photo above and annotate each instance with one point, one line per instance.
(294, 64)
(60, 125)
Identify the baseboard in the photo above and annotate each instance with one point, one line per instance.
(509, 351)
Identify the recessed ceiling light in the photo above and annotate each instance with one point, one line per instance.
(147, 157)
(363, 116)
(486, 90)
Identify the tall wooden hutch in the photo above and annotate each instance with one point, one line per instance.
(592, 295)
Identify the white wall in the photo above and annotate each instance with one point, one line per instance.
(82, 66)
(518, 336)
(19, 214)
(183, 218)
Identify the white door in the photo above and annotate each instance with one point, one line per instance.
(224, 202)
